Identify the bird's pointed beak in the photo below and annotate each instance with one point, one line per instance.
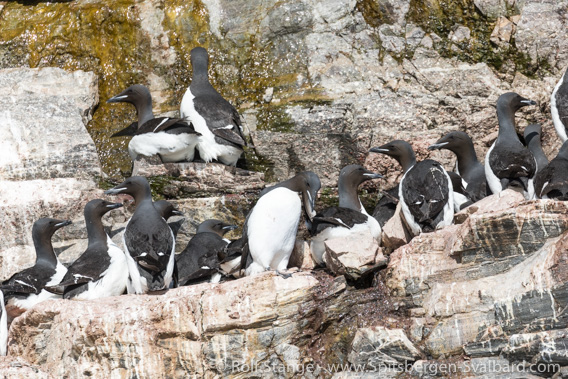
(116, 190)
(372, 175)
(115, 205)
(117, 99)
(437, 146)
(528, 102)
(228, 228)
(63, 223)
(309, 198)
(379, 150)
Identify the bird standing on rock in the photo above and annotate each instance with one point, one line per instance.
(425, 190)
(269, 233)
(214, 117)
(173, 139)
(559, 107)
(508, 163)
(148, 240)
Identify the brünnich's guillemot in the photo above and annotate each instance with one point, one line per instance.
(148, 240)
(425, 190)
(552, 181)
(214, 117)
(173, 139)
(349, 218)
(166, 209)
(559, 107)
(533, 135)
(101, 271)
(508, 163)
(386, 206)
(269, 232)
(203, 256)
(467, 167)
(27, 288)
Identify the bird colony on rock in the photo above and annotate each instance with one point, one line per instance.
(210, 129)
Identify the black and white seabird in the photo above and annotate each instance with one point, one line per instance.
(349, 218)
(3, 326)
(533, 135)
(202, 258)
(27, 288)
(173, 139)
(148, 240)
(559, 107)
(552, 181)
(386, 206)
(101, 271)
(425, 190)
(214, 117)
(269, 232)
(508, 163)
(167, 210)
(468, 167)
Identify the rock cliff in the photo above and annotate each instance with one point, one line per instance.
(318, 84)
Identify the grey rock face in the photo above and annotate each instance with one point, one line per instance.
(49, 163)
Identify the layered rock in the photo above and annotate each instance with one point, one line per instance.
(49, 165)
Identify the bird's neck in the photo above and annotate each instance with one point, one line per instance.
(348, 197)
(95, 230)
(44, 250)
(407, 161)
(145, 113)
(506, 117)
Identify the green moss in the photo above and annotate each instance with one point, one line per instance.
(442, 16)
(376, 12)
(328, 198)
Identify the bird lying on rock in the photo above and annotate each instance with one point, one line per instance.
(101, 271)
(27, 288)
(173, 139)
(203, 257)
(349, 218)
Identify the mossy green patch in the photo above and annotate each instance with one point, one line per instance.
(443, 16)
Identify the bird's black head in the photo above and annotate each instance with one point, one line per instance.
(356, 174)
(99, 207)
(134, 186)
(135, 94)
(199, 61)
(399, 150)
(215, 226)
(453, 141)
(166, 209)
(513, 101)
(48, 226)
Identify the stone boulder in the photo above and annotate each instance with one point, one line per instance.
(354, 256)
(49, 165)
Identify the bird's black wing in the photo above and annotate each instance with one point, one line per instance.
(89, 267)
(222, 118)
(159, 124)
(150, 247)
(336, 216)
(426, 192)
(562, 102)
